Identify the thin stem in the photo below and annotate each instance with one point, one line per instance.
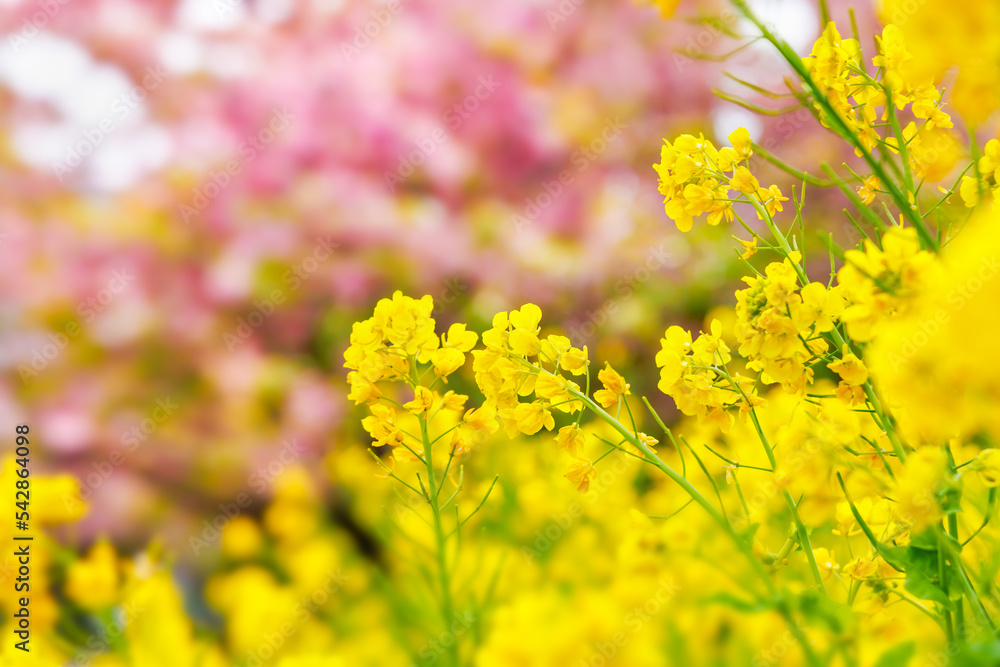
(444, 581)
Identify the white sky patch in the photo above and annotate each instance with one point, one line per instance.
(211, 15)
(795, 21)
(101, 122)
(728, 117)
(129, 155)
(274, 11)
(181, 52)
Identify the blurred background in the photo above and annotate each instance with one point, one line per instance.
(199, 197)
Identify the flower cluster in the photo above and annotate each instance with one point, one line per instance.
(517, 363)
(780, 327)
(696, 179)
(694, 374)
(988, 168)
(838, 71)
(391, 346)
(878, 283)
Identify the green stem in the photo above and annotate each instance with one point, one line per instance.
(838, 125)
(949, 629)
(745, 547)
(799, 525)
(960, 610)
(444, 581)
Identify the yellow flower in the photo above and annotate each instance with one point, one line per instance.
(821, 307)
(869, 188)
(969, 190)
(917, 489)
(749, 247)
(675, 345)
(580, 474)
(526, 318)
(575, 360)
(423, 399)
(771, 198)
(989, 163)
(728, 159)
(242, 538)
(54, 500)
(531, 417)
(861, 568)
(826, 561)
(615, 387)
(92, 582)
(741, 142)
(987, 466)
(524, 342)
(571, 438)
(744, 181)
(380, 424)
(362, 390)
(555, 389)
(458, 338)
(649, 441)
(406, 322)
(667, 7)
(453, 401)
(850, 368)
(482, 419)
(692, 180)
(876, 514)
(446, 361)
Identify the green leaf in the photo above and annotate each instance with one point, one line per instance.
(951, 499)
(897, 557)
(922, 577)
(985, 654)
(926, 540)
(898, 656)
(922, 587)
